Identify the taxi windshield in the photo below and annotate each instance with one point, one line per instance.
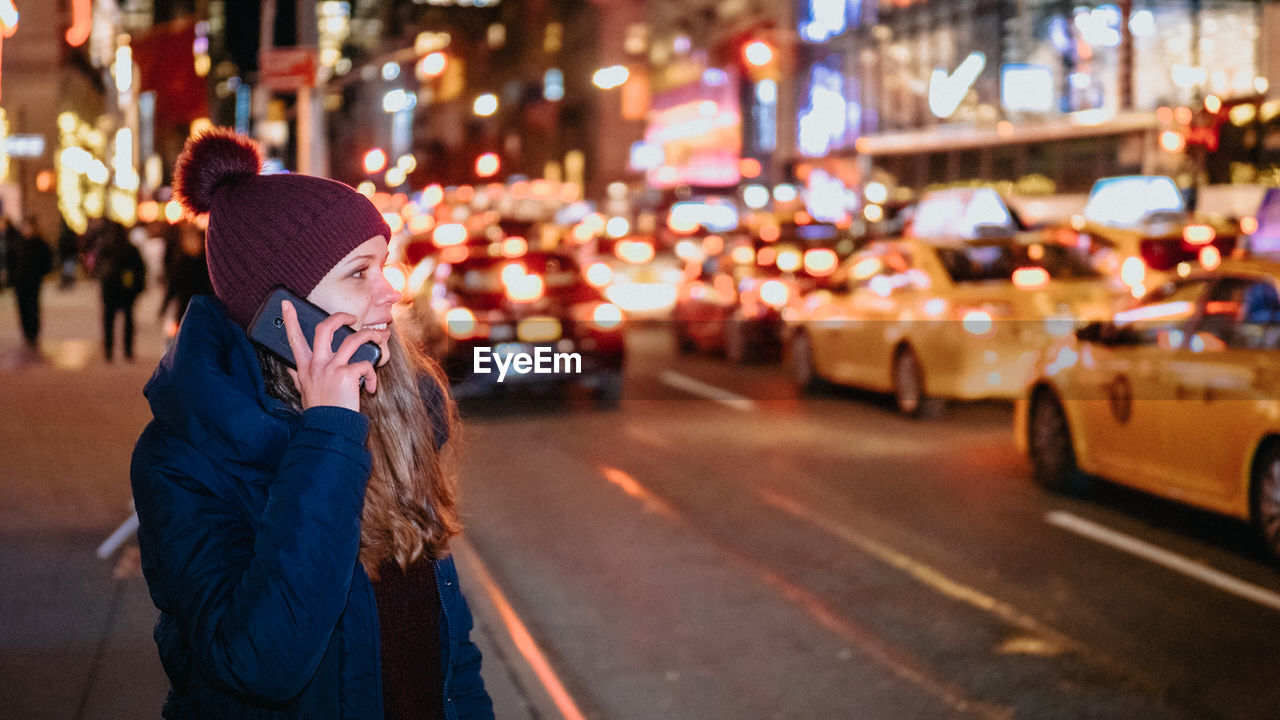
(983, 263)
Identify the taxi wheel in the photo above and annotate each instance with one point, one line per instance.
(1053, 454)
(1266, 497)
(909, 389)
(803, 370)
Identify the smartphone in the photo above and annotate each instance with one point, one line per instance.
(267, 328)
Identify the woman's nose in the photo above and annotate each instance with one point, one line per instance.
(387, 293)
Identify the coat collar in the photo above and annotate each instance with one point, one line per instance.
(210, 390)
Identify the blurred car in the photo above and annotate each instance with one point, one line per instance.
(637, 277)
(734, 307)
(931, 319)
(1138, 228)
(1178, 396)
(479, 314)
(737, 286)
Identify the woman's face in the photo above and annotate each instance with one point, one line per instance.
(356, 285)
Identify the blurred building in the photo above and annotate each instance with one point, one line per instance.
(41, 76)
(835, 96)
(98, 100)
(721, 87)
(1044, 90)
(749, 106)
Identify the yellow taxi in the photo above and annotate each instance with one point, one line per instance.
(1178, 395)
(1138, 228)
(949, 315)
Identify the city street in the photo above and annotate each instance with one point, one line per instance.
(822, 557)
(694, 554)
(815, 359)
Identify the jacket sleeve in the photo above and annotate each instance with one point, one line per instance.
(257, 604)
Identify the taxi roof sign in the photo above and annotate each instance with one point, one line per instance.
(1130, 200)
(962, 213)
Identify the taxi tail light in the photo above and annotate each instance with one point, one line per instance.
(1030, 278)
(1198, 234)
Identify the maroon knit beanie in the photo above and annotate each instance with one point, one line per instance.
(267, 230)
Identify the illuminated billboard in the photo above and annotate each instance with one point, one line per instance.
(698, 127)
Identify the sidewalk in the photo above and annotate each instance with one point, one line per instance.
(75, 639)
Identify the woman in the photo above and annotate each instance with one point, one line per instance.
(295, 524)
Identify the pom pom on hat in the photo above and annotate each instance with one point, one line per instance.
(267, 230)
(210, 161)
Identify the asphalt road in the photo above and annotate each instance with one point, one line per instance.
(718, 547)
(723, 547)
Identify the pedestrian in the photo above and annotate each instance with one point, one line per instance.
(186, 273)
(9, 237)
(123, 275)
(68, 254)
(295, 524)
(30, 260)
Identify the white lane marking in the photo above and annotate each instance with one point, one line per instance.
(118, 538)
(520, 636)
(711, 392)
(1165, 558)
(925, 574)
(897, 660)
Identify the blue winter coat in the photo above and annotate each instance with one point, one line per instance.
(249, 529)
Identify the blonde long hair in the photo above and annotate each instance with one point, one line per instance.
(410, 503)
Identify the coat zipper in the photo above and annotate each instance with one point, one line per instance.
(449, 711)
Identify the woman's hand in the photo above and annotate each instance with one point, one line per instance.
(324, 377)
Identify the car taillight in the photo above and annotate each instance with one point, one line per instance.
(460, 323)
(1198, 234)
(774, 293)
(1210, 257)
(606, 316)
(1030, 278)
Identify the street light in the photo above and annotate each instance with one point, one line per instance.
(432, 65)
(758, 53)
(610, 77)
(485, 105)
(374, 161)
(487, 165)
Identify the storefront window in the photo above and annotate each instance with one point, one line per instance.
(1078, 46)
(1172, 68)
